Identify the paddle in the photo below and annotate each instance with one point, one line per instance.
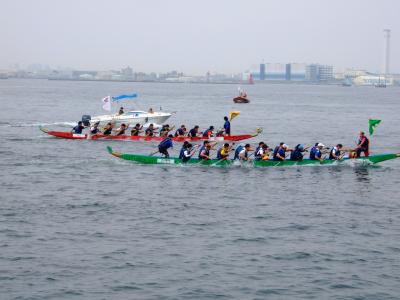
(151, 154)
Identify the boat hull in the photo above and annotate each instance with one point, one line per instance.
(241, 100)
(74, 136)
(146, 159)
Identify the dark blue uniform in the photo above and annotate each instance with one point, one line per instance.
(164, 146)
(312, 152)
(227, 127)
(78, 129)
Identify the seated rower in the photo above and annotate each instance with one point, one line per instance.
(188, 152)
(194, 132)
(209, 132)
(121, 130)
(150, 130)
(165, 145)
(318, 152)
(297, 153)
(280, 153)
(164, 130)
(313, 150)
(121, 111)
(259, 152)
(95, 128)
(239, 148)
(78, 128)
(184, 146)
(276, 149)
(266, 151)
(108, 129)
(336, 152)
(204, 152)
(180, 132)
(244, 154)
(151, 111)
(136, 130)
(223, 153)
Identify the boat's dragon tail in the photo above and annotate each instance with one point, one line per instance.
(379, 158)
(110, 150)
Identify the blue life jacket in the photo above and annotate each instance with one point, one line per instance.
(181, 155)
(237, 151)
(296, 155)
(206, 151)
(107, 131)
(78, 129)
(94, 131)
(179, 132)
(275, 152)
(335, 151)
(312, 153)
(165, 144)
(318, 154)
(184, 157)
(219, 156)
(281, 152)
(192, 133)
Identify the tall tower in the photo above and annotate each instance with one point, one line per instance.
(387, 51)
(262, 71)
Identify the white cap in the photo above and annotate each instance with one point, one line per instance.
(320, 145)
(284, 146)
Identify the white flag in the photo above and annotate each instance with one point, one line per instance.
(106, 103)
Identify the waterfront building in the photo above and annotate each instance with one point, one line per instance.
(316, 72)
(262, 71)
(127, 72)
(312, 72)
(288, 74)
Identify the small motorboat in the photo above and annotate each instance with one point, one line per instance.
(131, 117)
(241, 99)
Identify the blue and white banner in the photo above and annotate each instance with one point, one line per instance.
(122, 97)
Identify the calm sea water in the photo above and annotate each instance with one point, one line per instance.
(76, 223)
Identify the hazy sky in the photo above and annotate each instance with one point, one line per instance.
(197, 36)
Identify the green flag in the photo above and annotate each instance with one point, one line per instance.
(372, 124)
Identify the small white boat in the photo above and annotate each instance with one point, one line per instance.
(131, 117)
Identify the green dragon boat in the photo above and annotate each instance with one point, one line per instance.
(151, 160)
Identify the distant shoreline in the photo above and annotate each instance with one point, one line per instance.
(265, 82)
(204, 82)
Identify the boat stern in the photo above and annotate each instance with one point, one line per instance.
(382, 157)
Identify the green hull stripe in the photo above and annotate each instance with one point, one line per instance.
(145, 159)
